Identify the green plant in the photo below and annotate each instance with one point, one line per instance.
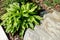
(17, 18)
(5, 3)
(52, 3)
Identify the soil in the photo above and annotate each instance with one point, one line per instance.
(15, 37)
(2, 11)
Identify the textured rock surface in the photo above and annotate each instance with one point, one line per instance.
(48, 30)
(2, 34)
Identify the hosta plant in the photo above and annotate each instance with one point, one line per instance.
(5, 3)
(19, 18)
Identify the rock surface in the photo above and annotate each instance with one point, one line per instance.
(48, 30)
(2, 34)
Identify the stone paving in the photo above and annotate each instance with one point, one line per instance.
(48, 30)
(2, 34)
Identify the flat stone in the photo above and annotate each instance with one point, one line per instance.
(2, 34)
(48, 30)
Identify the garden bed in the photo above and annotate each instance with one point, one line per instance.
(19, 15)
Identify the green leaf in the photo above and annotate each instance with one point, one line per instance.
(33, 9)
(21, 33)
(26, 25)
(38, 17)
(23, 27)
(31, 18)
(27, 6)
(31, 25)
(25, 15)
(36, 22)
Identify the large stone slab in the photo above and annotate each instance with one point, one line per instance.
(48, 30)
(2, 34)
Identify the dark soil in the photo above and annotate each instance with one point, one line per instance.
(15, 37)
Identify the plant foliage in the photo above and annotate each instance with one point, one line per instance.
(52, 3)
(7, 2)
(17, 18)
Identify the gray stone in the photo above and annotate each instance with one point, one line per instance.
(48, 30)
(2, 34)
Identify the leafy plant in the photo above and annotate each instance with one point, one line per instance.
(5, 3)
(52, 3)
(17, 18)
